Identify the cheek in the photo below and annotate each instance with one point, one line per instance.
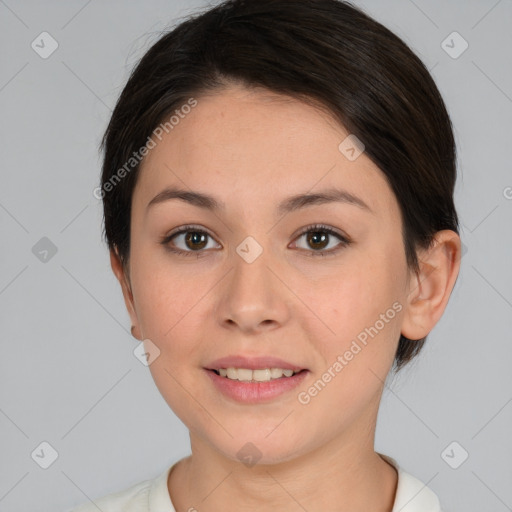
(163, 295)
(173, 303)
(165, 304)
(363, 310)
(362, 307)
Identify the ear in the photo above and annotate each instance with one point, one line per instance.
(430, 289)
(124, 281)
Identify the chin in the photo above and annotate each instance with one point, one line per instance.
(258, 448)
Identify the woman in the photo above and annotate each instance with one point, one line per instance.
(278, 198)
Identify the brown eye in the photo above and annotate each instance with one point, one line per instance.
(317, 239)
(189, 241)
(195, 240)
(321, 240)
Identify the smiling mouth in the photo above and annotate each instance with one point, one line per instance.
(258, 375)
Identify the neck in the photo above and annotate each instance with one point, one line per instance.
(338, 476)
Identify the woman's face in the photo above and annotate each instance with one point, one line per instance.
(254, 278)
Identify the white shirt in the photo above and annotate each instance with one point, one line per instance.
(153, 496)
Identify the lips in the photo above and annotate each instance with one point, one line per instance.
(251, 392)
(253, 363)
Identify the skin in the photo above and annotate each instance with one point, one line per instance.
(251, 149)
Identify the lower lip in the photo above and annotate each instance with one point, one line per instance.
(256, 392)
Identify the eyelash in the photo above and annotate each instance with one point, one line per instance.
(344, 241)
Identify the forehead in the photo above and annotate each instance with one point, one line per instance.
(256, 146)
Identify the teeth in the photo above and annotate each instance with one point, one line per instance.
(261, 375)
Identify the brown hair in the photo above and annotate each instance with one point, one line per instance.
(327, 52)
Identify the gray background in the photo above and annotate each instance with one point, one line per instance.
(68, 373)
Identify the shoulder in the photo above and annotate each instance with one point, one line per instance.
(412, 495)
(149, 495)
(131, 499)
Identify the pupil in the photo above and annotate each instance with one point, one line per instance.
(195, 238)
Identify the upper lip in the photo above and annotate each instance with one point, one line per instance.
(252, 363)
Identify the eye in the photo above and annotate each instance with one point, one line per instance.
(187, 241)
(322, 238)
(192, 240)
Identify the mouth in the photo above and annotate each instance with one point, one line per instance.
(255, 386)
(254, 380)
(258, 363)
(256, 375)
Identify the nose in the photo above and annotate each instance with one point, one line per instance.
(254, 299)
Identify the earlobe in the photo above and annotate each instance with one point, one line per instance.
(431, 288)
(124, 281)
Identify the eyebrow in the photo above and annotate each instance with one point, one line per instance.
(293, 203)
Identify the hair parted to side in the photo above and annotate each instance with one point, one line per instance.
(324, 52)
